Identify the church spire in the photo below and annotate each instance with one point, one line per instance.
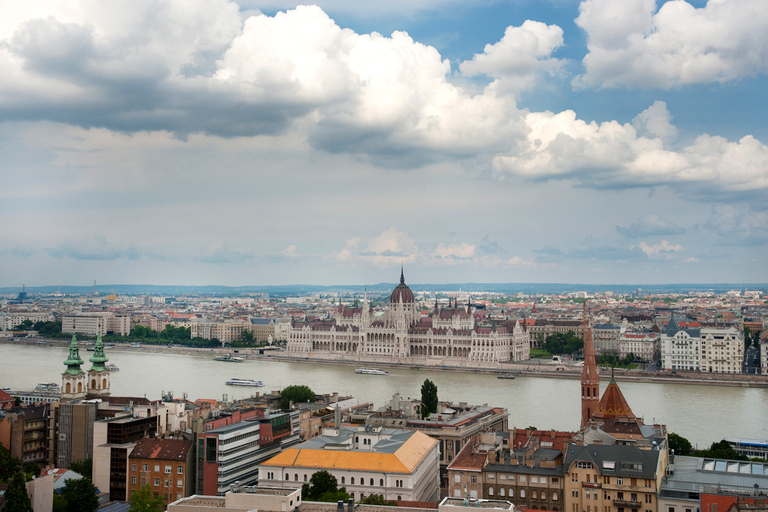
(99, 358)
(74, 361)
(590, 380)
(402, 275)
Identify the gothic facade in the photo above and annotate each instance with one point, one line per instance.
(449, 336)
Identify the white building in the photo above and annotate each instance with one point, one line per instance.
(644, 346)
(92, 324)
(447, 337)
(708, 348)
(8, 321)
(397, 464)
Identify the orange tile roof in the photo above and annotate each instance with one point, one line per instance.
(404, 460)
(613, 405)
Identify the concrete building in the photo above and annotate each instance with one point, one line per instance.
(612, 478)
(72, 431)
(231, 452)
(644, 346)
(447, 337)
(263, 329)
(92, 324)
(243, 498)
(606, 338)
(691, 346)
(397, 464)
(10, 320)
(166, 465)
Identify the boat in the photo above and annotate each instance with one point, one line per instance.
(112, 367)
(229, 358)
(91, 349)
(48, 386)
(135, 345)
(371, 371)
(244, 382)
(506, 376)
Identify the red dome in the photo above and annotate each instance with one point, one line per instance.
(402, 292)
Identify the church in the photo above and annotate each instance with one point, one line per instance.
(403, 334)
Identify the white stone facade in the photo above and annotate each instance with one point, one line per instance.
(708, 349)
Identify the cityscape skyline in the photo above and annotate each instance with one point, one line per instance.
(210, 142)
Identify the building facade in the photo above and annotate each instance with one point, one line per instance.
(715, 349)
(449, 336)
(166, 465)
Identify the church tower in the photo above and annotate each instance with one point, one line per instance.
(74, 384)
(590, 380)
(98, 375)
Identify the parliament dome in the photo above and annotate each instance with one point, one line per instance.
(402, 292)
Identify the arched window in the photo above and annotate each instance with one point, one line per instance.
(371, 481)
(79, 387)
(93, 383)
(501, 491)
(69, 387)
(104, 384)
(534, 495)
(522, 493)
(381, 482)
(296, 477)
(399, 498)
(511, 492)
(287, 476)
(554, 496)
(305, 478)
(490, 491)
(352, 480)
(342, 480)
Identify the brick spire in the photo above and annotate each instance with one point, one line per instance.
(590, 380)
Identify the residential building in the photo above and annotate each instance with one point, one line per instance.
(691, 346)
(166, 465)
(71, 431)
(263, 499)
(644, 346)
(397, 464)
(606, 338)
(231, 452)
(448, 336)
(263, 329)
(612, 478)
(92, 324)
(6, 400)
(113, 440)
(10, 320)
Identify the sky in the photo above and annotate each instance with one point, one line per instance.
(197, 142)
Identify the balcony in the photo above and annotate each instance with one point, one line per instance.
(591, 485)
(630, 504)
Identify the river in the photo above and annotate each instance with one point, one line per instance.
(702, 414)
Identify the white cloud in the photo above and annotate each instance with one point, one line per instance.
(631, 44)
(349, 251)
(662, 248)
(739, 224)
(517, 58)
(650, 225)
(613, 155)
(453, 253)
(390, 248)
(517, 261)
(290, 252)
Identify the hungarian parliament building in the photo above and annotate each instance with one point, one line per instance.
(449, 336)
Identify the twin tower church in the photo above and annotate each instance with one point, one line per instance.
(76, 384)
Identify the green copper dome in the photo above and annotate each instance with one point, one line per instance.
(99, 358)
(73, 362)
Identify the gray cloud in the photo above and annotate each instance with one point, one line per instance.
(650, 225)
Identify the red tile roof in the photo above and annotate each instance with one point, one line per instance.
(162, 449)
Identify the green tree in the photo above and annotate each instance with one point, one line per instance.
(32, 470)
(296, 394)
(80, 495)
(719, 450)
(377, 499)
(16, 497)
(681, 445)
(24, 326)
(428, 398)
(82, 467)
(323, 487)
(143, 500)
(9, 466)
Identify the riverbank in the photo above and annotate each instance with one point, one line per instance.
(528, 369)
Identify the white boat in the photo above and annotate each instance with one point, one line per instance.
(135, 345)
(48, 386)
(112, 367)
(371, 371)
(244, 382)
(229, 358)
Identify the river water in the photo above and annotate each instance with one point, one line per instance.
(702, 414)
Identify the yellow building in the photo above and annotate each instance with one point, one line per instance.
(398, 464)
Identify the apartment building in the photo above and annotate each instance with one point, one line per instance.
(166, 465)
(707, 348)
(92, 324)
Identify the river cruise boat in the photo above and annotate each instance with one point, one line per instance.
(48, 386)
(229, 358)
(244, 382)
(506, 376)
(371, 371)
(112, 367)
(135, 345)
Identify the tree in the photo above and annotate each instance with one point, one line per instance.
(428, 398)
(377, 499)
(80, 495)
(16, 497)
(32, 470)
(9, 466)
(82, 467)
(296, 394)
(679, 444)
(323, 487)
(143, 500)
(719, 450)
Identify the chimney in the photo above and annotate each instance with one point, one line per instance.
(351, 505)
(340, 506)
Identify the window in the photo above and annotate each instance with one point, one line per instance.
(511, 492)
(371, 481)
(166, 483)
(179, 483)
(501, 491)
(619, 480)
(296, 477)
(305, 478)
(167, 469)
(574, 477)
(606, 495)
(584, 465)
(554, 496)
(381, 482)
(555, 480)
(288, 477)
(491, 476)
(502, 476)
(456, 478)
(522, 493)
(633, 496)
(474, 479)
(133, 467)
(534, 479)
(133, 480)
(157, 468)
(178, 495)
(648, 498)
(543, 479)
(490, 491)
(534, 495)
(574, 493)
(523, 478)
(146, 467)
(352, 480)
(343, 480)
(157, 482)
(180, 470)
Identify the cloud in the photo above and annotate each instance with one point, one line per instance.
(632, 45)
(490, 247)
(453, 253)
(98, 248)
(290, 252)
(738, 225)
(392, 247)
(517, 261)
(612, 155)
(662, 248)
(519, 56)
(650, 225)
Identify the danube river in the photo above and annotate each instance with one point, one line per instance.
(700, 413)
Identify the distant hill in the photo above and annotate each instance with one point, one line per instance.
(298, 289)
